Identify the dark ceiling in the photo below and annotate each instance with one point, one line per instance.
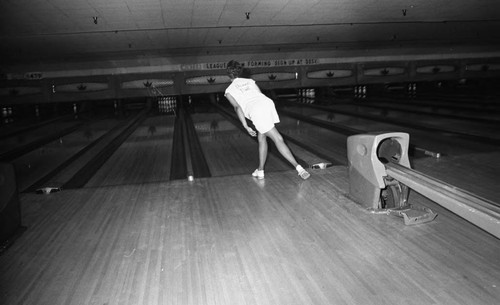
(65, 30)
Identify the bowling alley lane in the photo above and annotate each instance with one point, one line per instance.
(477, 173)
(442, 142)
(144, 157)
(322, 140)
(228, 150)
(10, 142)
(34, 165)
(131, 235)
(473, 110)
(458, 124)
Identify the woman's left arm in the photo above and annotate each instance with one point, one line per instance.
(240, 114)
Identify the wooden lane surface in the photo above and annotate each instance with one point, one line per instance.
(34, 165)
(22, 125)
(323, 140)
(144, 157)
(90, 140)
(429, 109)
(19, 140)
(429, 120)
(482, 101)
(471, 106)
(478, 173)
(308, 157)
(236, 240)
(228, 150)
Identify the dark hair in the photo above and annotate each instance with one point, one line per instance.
(234, 68)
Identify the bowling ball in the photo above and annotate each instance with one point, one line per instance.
(389, 150)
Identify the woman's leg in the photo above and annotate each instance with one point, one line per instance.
(285, 151)
(262, 150)
(281, 145)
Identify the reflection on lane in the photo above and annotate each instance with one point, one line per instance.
(144, 157)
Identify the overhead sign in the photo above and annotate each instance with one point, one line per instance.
(254, 64)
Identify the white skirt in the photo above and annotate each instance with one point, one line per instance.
(263, 115)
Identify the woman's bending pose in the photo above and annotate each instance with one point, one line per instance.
(249, 102)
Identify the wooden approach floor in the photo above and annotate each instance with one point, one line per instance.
(236, 240)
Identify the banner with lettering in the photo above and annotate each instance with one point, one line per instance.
(265, 63)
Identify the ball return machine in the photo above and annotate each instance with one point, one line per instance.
(380, 178)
